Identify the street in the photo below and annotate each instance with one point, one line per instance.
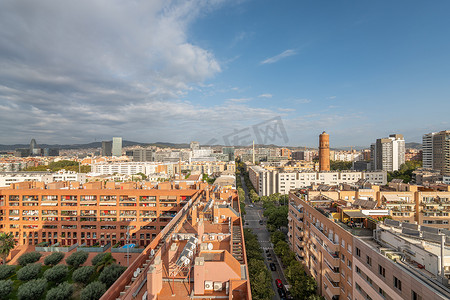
(252, 218)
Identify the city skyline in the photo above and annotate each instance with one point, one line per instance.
(182, 71)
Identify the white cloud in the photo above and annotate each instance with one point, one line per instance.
(278, 57)
(265, 96)
(302, 101)
(331, 97)
(286, 109)
(78, 69)
(240, 100)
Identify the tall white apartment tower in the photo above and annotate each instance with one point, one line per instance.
(388, 154)
(117, 146)
(427, 150)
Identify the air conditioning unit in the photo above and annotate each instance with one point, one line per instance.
(209, 285)
(227, 287)
(211, 237)
(223, 217)
(220, 237)
(217, 286)
(216, 219)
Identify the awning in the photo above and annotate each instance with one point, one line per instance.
(355, 214)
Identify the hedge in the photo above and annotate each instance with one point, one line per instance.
(29, 258)
(29, 272)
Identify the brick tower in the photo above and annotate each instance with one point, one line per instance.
(324, 152)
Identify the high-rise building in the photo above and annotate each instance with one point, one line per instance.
(388, 154)
(436, 151)
(117, 146)
(106, 148)
(144, 155)
(324, 152)
(229, 151)
(427, 148)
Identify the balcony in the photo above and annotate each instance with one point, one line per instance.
(88, 198)
(30, 199)
(333, 286)
(127, 199)
(147, 199)
(50, 198)
(329, 242)
(68, 198)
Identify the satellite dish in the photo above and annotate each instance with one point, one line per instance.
(135, 274)
(138, 270)
(152, 252)
(210, 246)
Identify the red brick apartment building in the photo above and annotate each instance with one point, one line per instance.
(68, 213)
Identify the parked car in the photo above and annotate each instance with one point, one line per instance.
(272, 267)
(267, 250)
(251, 205)
(282, 293)
(268, 254)
(279, 283)
(261, 222)
(269, 258)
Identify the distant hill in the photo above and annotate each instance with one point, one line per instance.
(92, 145)
(413, 145)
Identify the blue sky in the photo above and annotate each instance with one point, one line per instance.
(177, 71)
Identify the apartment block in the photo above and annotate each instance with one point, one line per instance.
(8, 178)
(96, 212)
(436, 151)
(388, 154)
(267, 182)
(353, 256)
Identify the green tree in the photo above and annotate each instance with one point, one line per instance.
(110, 274)
(61, 292)
(7, 243)
(6, 271)
(57, 273)
(6, 287)
(77, 259)
(29, 258)
(93, 291)
(30, 271)
(32, 289)
(340, 165)
(83, 274)
(106, 260)
(53, 259)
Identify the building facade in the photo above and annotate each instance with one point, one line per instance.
(388, 154)
(116, 146)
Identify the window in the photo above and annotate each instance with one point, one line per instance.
(382, 292)
(358, 270)
(349, 264)
(415, 296)
(381, 271)
(368, 260)
(398, 283)
(358, 252)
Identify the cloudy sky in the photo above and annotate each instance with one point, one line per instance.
(175, 71)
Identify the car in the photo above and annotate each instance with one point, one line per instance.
(279, 283)
(261, 222)
(282, 293)
(268, 254)
(251, 205)
(269, 258)
(267, 250)
(272, 267)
